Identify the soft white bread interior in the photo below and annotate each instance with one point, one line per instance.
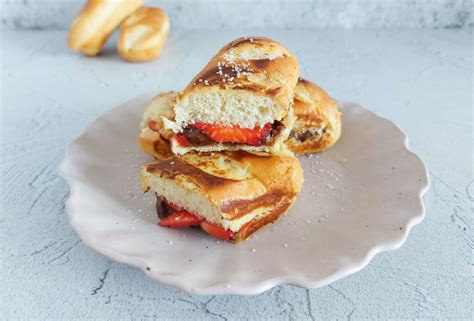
(229, 189)
(248, 83)
(96, 22)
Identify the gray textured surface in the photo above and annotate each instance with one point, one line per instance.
(422, 80)
(287, 14)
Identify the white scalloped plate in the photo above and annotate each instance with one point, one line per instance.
(360, 198)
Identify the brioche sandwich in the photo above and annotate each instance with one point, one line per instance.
(318, 120)
(241, 100)
(317, 127)
(230, 195)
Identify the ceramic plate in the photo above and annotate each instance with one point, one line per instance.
(359, 198)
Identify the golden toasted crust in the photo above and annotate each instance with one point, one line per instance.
(278, 210)
(143, 34)
(96, 22)
(313, 107)
(256, 64)
(318, 116)
(235, 183)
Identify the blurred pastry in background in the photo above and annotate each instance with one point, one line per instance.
(241, 100)
(96, 22)
(318, 120)
(143, 34)
(230, 195)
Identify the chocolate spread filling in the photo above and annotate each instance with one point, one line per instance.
(196, 137)
(308, 134)
(162, 208)
(277, 128)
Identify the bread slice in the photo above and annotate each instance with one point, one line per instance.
(318, 120)
(249, 83)
(96, 22)
(230, 189)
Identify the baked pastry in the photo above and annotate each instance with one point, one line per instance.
(154, 138)
(240, 101)
(96, 22)
(318, 120)
(230, 195)
(143, 34)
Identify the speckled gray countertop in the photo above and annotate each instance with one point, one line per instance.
(420, 79)
(287, 14)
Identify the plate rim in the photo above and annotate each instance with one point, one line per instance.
(264, 284)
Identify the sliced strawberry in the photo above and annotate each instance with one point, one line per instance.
(217, 231)
(153, 125)
(234, 134)
(180, 219)
(181, 140)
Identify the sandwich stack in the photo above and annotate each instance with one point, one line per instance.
(225, 144)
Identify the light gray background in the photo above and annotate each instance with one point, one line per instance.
(420, 79)
(288, 14)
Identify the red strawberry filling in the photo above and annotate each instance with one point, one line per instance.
(181, 140)
(234, 134)
(217, 231)
(201, 134)
(180, 219)
(175, 217)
